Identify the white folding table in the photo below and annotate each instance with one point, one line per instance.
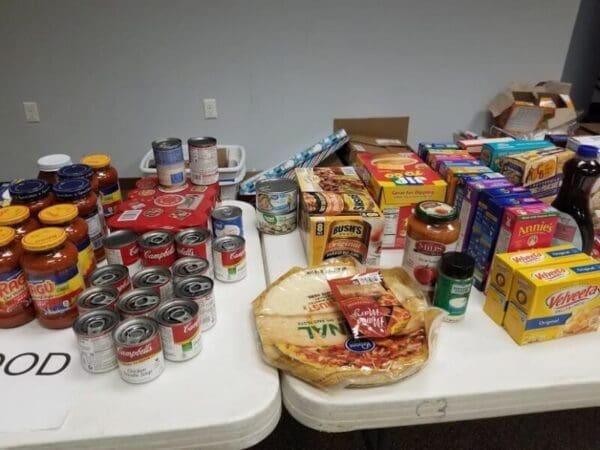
(224, 398)
(476, 371)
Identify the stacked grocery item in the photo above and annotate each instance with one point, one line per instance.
(276, 201)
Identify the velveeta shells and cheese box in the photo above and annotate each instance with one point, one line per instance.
(397, 183)
(553, 302)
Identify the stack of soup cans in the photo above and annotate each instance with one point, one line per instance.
(276, 202)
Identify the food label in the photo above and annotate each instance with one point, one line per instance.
(85, 257)
(230, 266)
(567, 232)
(13, 291)
(348, 238)
(128, 255)
(97, 353)
(94, 223)
(56, 293)
(452, 295)
(111, 198)
(141, 363)
(421, 259)
(204, 165)
(229, 227)
(182, 341)
(159, 256)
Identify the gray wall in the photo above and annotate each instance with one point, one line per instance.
(112, 75)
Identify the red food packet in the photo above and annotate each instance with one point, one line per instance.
(369, 307)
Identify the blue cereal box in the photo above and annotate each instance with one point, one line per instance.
(491, 154)
(425, 147)
(462, 185)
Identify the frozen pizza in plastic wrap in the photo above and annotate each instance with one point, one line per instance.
(303, 332)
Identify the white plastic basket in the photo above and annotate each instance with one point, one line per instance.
(229, 189)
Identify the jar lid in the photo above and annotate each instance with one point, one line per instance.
(75, 171)
(72, 189)
(96, 160)
(44, 239)
(57, 214)
(435, 212)
(12, 215)
(457, 265)
(587, 151)
(7, 234)
(28, 189)
(51, 163)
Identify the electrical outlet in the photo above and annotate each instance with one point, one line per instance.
(32, 114)
(210, 108)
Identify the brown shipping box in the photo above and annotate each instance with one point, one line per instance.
(373, 135)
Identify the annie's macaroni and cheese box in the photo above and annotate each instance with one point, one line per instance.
(554, 301)
(527, 226)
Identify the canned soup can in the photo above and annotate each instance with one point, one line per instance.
(158, 248)
(97, 297)
(190, 266)
(179, 326)
(170, 165)
(277, 196)
(199, 289)
(121, 247)
(95, 341)
(112, 275)
(275, 223)
(194, 242)
(157, 278)
(142, 302)
(204, 163)
(139, 350)
(229, 258)
(227, 221)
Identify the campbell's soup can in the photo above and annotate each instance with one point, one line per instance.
(97, 297)
(157, 248)
(204, 163)
(179, 326)
(139, 350)
(111, 275)
(141, 302)
(122, 247)
(227, 221)
(190, 266)
(199, 289)
(229, 258)
(156, 277)
(94, 339)
(194, 242)
(170, 165)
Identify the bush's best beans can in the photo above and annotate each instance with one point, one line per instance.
(229, 258)
(170, 166)
(94, 339)
(227, 221)
(200, 290)
(179, 326)
(204, 164)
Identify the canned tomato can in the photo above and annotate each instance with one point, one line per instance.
(122, 247)
(170, 165)
(190, 266)
(199, 289)
(194, 242)
(94, 339)
(277, 196)
(141, 302)
(275, 223)
(157, 248)
(204, 164)
(139, 350)
(179, 327)
(229, 258)
(112, 275)
(227, 221)
(97, 297)
(157, 278)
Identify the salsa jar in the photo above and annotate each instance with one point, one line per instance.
(431, 231)
(108, 181)
(19, 218)
(78, 191)
(66, 215)
(53, 279)
(35, 194)
(16, 308)
(50, 164)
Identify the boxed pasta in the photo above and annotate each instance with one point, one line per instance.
(435, 147)
(527, 226)
(454, 172)
(492, 154)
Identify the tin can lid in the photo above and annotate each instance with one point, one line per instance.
(28, 189)
(75, 171)
(435, 212)
(202, 141)
(7, 234)
(72, 189)
(96, 160)
(51, 163)
(14, 214)
(57, 214)
(44, 239)
(166, 143)
(95, 322)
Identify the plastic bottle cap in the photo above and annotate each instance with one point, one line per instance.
(75, 171)
(51, 163)
(57, 214)
(72, 189)
(28, 189)
(12, 215)
(7, 234)
(457, 265)
(587, 151)
(96, 161)
(44, 239)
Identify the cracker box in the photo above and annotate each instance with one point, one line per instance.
(553, 302)
(474, 146)
(338, 217)
(426, 147)
(492, 154)
(455, 172)
(528, 226)
(397, 183)
(505, 265)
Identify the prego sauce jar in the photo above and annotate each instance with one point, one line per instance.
(108, 181)
(35, 194)
(19, 218)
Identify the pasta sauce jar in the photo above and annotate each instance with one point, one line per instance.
(53, 279)
(49, 166)
(35, 194)
(19, 218)
(432, 230)
(65, 215)
(16, 308)
(108, 181)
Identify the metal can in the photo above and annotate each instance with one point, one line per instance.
(94, 339)
(158, 248)
(97, 297)
(179, 326)
(275, 223)
(227, 221)
(112, 275)
(189, 266)
(141, 302)
(121, 247)
(139, 350)
(170, 165)
(204, 164)
(157, 278)
(194, 242)
(229, 258)
(277, 196)
(200, 290)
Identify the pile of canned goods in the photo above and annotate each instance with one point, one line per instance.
(276, 204)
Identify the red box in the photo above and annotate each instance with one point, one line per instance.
(527, 226)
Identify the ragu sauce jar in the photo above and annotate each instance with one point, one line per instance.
(53, 279)
(19, 218)
(108, 181)
(16, 308)
(35, 194)
(49, 166)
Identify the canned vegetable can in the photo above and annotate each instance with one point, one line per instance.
(204, 164)
(227, 221)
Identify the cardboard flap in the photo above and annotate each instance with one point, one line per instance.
(378, 141)
(500, 103)
(554, 87)
(376, 127)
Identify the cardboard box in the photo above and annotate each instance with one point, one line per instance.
(575, 141)
(337, 216)
(524, 227)
(441, 147)
(462, 184)
(492, 154)
(397, 183)
(454, 172)
(436, 158)
(553, 302)
(474, 146)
